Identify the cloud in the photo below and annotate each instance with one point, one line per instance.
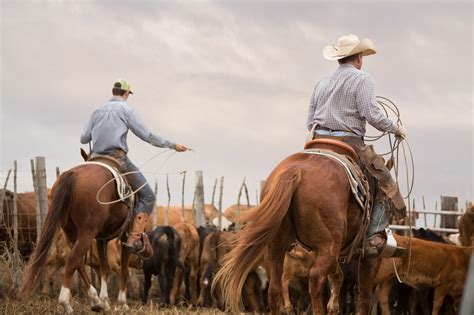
(233, 80)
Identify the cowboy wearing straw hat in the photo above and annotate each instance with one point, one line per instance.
(340, 107)
(107, 129)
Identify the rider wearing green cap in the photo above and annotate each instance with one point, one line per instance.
(107, 129)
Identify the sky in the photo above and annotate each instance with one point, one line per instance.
(232, 80)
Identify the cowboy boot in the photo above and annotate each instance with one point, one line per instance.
(137, 239)
(379, 239)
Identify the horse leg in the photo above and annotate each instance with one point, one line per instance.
(74, 262)
(91, 291)
(325, 263)
(177, 281)
(276, 255)
(104, 271)
(122, 296)
(368, 270)
(335, 283)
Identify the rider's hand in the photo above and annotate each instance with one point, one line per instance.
(400, 133)
(180, 148)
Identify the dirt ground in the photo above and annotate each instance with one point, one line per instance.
(40, 304)
(47, 305)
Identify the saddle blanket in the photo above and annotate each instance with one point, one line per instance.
(358, 183)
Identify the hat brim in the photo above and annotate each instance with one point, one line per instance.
(365, 46)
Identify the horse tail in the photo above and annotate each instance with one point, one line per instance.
(61, 203)
(261, 226)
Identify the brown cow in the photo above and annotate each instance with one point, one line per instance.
(216, 245)
(466, 227)
(232, 213)
(174, 215)
(296, 266)
(26, 205)
(60, 249)
(440, 266)
(189, 257)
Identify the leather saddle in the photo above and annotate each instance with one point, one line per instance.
(334, 145)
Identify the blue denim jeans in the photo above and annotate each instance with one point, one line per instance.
(146, 196)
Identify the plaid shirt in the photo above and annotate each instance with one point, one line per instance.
(345, 101)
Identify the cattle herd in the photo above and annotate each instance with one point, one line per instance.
(433, 271)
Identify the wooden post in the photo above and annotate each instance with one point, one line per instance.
(449, 203)
(211, 218)
(221, 191)
(57, 171)
(262, 184)
(40, 163)
(37, 198)
(424, 208)
(237, 224)
(15, 226)
(155, 208)
(2, 196)
(200, 214)
(256, 197)
(169, 200)
(183, 213)
(247, 195)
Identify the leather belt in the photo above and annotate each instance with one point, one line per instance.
(320, 130)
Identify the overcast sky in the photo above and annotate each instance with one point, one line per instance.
(233, 81)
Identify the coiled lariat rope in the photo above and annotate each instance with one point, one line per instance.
(133, 192)
(389, 107)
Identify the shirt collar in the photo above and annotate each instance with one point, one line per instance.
(346, 66)
(118, 98)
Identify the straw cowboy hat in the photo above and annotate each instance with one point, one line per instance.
(347, 46)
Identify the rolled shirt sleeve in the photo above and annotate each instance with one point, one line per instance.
(141, 131)
(369, 109)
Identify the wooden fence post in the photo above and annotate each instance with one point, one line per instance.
(2, 196)
(237, 223)
(37, 198)
(183, 213)
(169, 200)
(155, 207)
(57, 171)
(15, 227)
(212, 202)
(40, 163)
(449, 203)
(221, 191)
(200, 215)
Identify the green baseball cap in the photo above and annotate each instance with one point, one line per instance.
(123, 85)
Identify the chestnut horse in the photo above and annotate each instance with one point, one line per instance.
(75, 207)
(306, 197)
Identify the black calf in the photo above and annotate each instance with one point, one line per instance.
(166, 245)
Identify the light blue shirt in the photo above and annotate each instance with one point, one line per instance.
(345, 101)
(108, 128)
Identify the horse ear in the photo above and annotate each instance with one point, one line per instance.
(84, 155)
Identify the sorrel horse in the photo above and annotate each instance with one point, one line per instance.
(306, 197)
(76, 208)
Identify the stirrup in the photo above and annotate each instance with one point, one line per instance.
(391, 249)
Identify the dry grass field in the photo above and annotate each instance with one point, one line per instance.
(40, 304)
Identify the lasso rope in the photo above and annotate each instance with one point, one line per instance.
(388, 106)
(133, 192)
